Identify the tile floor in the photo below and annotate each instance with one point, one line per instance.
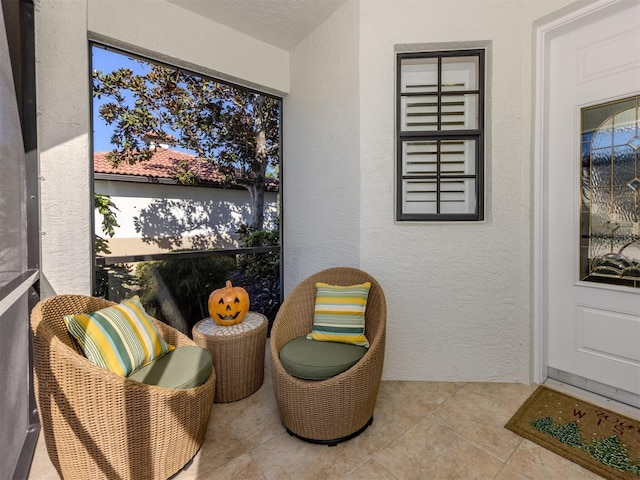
(421, 430)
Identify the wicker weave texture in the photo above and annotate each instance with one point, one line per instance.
(97, 424)
(339, 406)
(238, 360)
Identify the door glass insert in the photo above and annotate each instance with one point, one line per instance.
(610, 193)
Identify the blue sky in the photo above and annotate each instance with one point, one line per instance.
(107, 61)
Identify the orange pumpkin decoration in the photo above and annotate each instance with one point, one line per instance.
(228, 305)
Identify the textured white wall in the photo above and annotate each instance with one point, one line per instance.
(63, 140)
(458, 293)
(321, 171)
(159, 29)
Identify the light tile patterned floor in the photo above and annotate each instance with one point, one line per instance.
(421, 430)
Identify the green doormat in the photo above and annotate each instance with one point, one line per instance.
(600, 440)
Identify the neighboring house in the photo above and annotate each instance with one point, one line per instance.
(157, 214)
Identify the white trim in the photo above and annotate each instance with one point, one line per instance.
(622, 396)
(548, 28)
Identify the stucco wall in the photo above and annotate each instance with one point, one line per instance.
(157, 29)
(63, 141)
(321, 172)
(458, 293)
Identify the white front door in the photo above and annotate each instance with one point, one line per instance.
(593, 329)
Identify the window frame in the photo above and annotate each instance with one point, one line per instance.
(439, 135)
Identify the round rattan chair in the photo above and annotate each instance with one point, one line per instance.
(97, 424)
(336, 409)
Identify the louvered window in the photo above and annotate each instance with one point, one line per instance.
(440, 105)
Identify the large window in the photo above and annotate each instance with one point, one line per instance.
(440, 135)
(186, 187)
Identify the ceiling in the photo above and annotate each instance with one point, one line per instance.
(282, 23)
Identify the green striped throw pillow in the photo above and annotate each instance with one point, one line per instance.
(121, 338)
(339, 313)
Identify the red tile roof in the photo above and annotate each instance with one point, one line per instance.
(163, 165)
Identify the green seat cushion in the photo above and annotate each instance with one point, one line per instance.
(305, 358)
(184, 367)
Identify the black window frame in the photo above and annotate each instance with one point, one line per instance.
(439, 135)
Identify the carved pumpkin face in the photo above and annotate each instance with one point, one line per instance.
(228, 305)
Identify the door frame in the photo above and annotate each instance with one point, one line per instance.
(563, 21)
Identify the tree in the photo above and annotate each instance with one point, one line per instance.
(108, 280)
(107, 209)
(236, 130)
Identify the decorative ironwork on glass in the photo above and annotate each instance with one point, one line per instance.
(610, 190)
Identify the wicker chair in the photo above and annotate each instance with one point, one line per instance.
(339, 408)
(97, 424)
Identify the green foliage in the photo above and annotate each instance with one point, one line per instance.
(184, 175)
(236, 130)
(260, 272)
(177, 291)
(263, 266)
(115, 282)
(105, 207)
